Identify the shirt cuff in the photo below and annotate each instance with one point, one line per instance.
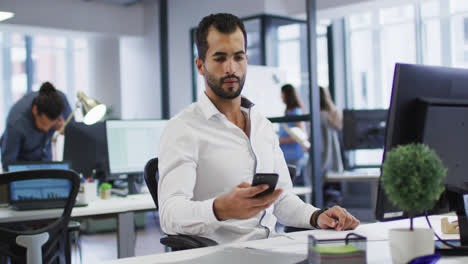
(211, 219)
(308, 212)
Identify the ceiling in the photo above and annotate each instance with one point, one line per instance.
(117, 2)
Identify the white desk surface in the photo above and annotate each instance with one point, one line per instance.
(354, 175)
(114, 205)
(299, 190)
(378, 250)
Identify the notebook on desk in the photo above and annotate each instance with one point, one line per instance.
(39, 193)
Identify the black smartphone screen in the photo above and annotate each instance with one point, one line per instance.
(265, 178)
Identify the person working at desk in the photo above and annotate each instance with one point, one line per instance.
(211, 150)
(31, 124)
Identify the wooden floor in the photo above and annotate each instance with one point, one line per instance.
(97, 248)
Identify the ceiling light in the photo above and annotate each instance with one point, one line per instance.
(6, 15)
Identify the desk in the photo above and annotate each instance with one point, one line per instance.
(121, 207)
(378, 251)
(370, 176)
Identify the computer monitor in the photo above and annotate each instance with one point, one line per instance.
(34, 165)
(86, 149)
(37, 190)
(364, 129)
(430, 105)
(131, 143)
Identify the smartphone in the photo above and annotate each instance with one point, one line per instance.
(265, 178)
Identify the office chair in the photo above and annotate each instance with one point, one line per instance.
(292, 171)
(174, 242)
(35, 243)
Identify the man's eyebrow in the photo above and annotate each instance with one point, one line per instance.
(220, 53)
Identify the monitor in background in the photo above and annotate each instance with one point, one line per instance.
(364, 129)
(430, 105)
(17, 166)
(131, 143)
(85, 148)
(38, 193)
(363, 138)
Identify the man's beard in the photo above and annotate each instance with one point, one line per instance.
(217, 85)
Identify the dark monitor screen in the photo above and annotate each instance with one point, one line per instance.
(86, 148)
(364, 129)
(429, 105)
(131, 143)
(38, 189)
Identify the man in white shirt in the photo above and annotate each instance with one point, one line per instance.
(210, 152)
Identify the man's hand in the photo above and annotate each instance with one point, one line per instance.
(239, 204)
(337, 218)
(59, 124)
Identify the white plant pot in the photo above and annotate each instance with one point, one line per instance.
(406, 245)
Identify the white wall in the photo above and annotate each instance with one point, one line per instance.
(104, 72)
(76, 15)
(140, 70)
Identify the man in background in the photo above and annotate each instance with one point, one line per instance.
(31, 124)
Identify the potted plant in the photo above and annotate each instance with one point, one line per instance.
(412, 178)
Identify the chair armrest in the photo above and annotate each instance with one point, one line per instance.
(289, 229)
(181, 242)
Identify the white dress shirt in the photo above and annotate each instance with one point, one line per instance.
(202, 155)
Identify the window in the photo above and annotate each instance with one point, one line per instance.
(63, 61)
(362, 59)
(459, 32)
(289, 53)
(398, 44)
(431, 33)
(322, 54)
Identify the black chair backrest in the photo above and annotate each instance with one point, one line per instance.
(53, 249)
(292, 171)
(151, 179)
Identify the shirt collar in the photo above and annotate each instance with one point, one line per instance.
(209, 109)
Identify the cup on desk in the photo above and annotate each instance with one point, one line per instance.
(88, 192)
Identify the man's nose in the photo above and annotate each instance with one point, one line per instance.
(230, 67)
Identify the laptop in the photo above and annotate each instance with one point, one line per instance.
(39, 193)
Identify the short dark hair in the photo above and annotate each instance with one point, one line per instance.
(49, 101)
(224, 23)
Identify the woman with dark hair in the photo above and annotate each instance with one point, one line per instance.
(294, 153)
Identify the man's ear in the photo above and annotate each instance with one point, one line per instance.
(200, 68)
(34, 110)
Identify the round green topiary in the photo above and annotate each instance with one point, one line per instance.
(412, 177)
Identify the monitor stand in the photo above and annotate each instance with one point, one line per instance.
(135, 180)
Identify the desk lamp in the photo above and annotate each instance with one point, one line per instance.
(93, 111)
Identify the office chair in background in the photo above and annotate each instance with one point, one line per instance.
(43, 244)
(174, 242)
